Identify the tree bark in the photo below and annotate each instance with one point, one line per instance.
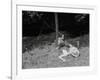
(56, 27)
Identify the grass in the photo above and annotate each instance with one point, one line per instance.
(40, 52)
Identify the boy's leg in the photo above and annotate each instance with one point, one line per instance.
(60, 57)
(65, 53)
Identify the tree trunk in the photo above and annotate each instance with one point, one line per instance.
(56, 24)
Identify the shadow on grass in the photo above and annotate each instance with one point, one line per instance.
(30, 43)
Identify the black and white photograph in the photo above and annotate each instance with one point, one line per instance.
(55, 39)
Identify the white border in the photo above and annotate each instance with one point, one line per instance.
(18, 73)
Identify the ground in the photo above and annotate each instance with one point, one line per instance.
(46, 55)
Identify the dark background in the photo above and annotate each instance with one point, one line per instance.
(36, 23)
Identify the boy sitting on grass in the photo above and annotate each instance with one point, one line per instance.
(66, 49)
